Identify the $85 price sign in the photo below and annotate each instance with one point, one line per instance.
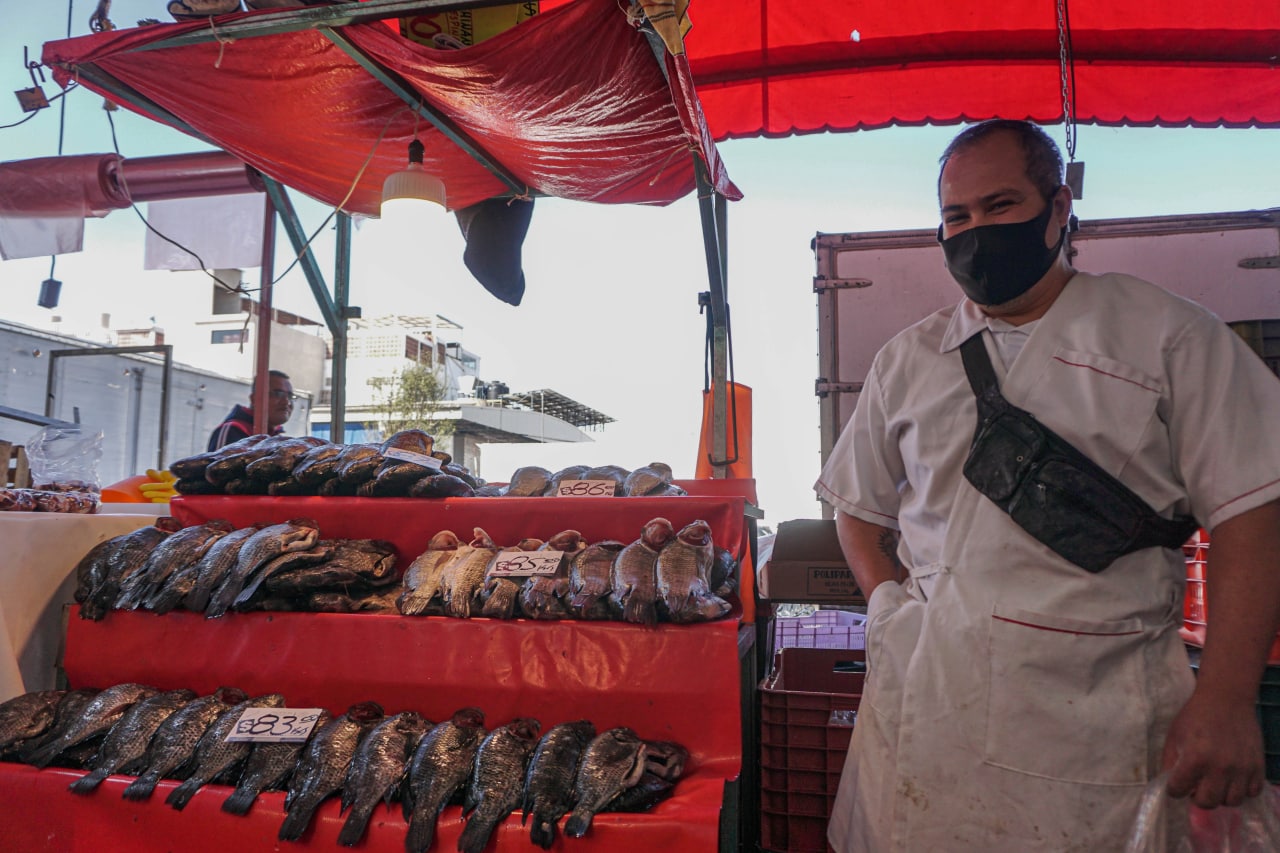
(524, 563)
(275, 725)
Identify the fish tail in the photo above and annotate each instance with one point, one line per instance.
(87, 783)
(198, 599)
(640, 611)
(44, 755)
(297, 820)
(422, 831)
(578, 824)
(475, 835)
(543, 831)
(240, 801)
(181, 795)
(410, 605)
(140, 788)
(357, 821)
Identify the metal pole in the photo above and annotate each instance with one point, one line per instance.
(166, 379)
(262, 382)
(341, 296)
(711, 242)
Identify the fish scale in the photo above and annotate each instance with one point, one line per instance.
(179, 549)
(613, 762)
(440, 766)
(422, 579)
(102, 712)
(122, 563)
(204, 575)
(549, 783)
(464, 575)
(268, 767)
(175, 741)
(127, 741)
(497, 781)
(215, 754)
(682, 567)
(27, 716)
(377, 770)
(263, 546)
(323, 767)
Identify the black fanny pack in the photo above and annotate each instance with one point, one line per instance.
(1049, 488)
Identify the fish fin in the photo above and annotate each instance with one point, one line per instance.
(181, 795)
(578, 824)
(87, 783)
(140, 788)
(42, 756)
(475, 836)
(357, 822)
(543, 831)
(239, 801)
(164, 601)
(422, 830)
(640, 611)
(297, 820)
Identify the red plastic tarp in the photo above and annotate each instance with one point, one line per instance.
(776, 67)
(572, 102)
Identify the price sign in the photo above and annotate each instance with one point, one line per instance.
(525, 563)
(416, 458)
(586, 489)
(275, 725)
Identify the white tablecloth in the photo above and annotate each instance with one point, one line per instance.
(38, 555)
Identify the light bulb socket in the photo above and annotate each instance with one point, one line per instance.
(416, 151)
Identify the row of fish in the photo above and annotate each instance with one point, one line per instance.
(363, 755)
(214, 567)
(405, 465)
(652, 480)
(664, 574)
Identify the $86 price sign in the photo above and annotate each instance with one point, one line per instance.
(275, 725)
(586, 489)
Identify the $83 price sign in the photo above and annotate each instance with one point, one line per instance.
(272, 725)
(525, 563)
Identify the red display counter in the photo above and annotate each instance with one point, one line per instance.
(668, 682)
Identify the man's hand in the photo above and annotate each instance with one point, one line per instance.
(1214, 751)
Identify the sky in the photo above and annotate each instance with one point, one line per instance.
(610, 316)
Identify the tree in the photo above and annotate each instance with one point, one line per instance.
(410, 397)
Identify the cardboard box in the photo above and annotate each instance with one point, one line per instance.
(808, 565)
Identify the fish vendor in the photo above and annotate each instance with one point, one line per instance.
(1012, 492)
(238, 423)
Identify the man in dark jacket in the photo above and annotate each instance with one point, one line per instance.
(239, 423)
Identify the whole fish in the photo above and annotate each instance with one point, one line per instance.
(544, 596)
(646, 481)
(317, 554)
(589, 580)
(279, 463)
(549, 783)
(421, 582)
(124, 561)
(102, 712)
(573, 472)
(633, 582)
(613, 473)
(643, 795)
(230, 464)
(499, 593)
(530, 481)
(324, 764)
(440, 766)
(497, 781)
(723, 575)
(613, 762)
(374, 601)
(27, 716)
(463, 576)
(262, 547)
(192, 585)
(126, 743)
(91, 571)
(358, 463)
(194, 466)
(394, 477)
(413, 440)
(442, 486)
(269, 766)
(214, 754)
(377, 770)
(319, 464)
(683, 567)
(174, 743)
(65, 713)
(179, 549)
(353, 565)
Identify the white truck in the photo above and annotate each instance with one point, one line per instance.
(871, 285)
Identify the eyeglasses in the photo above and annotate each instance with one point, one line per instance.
(281, 394)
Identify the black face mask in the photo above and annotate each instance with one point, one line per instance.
(996, 263)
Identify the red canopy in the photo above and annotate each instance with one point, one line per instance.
(776, 67)
(572, 103)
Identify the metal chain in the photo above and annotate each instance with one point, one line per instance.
(1067, 73)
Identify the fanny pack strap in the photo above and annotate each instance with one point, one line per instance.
(1153, 529)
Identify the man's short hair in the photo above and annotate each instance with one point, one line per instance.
(1044, 160)
(278, 374)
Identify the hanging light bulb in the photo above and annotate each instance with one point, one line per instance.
(403, 191)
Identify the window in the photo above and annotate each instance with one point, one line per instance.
(227, 336)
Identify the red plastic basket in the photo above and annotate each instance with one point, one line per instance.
(802, 749)
(1195, 604)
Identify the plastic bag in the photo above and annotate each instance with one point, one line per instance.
(65, 459)
(1166, 825)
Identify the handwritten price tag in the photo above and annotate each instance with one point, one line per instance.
(275, 725)
(586, 489)
(416, 458)
(525, 563)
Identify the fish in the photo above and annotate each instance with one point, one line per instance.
(353, 565)
(231, 466)
(358, 463)
(529, 481)
(245, 486)
(485, 490)
(613, 473)
(377, 770)
(612, 763)
(544, 596)
(441, 486)
(421, 581)
(665, 759)
(27, 716)
(441, 765)
(91, 571)
(191, 467)
(650, 790)
(461, 473)
(723, 575)
(317, 465)
(279, 463)
(174, 743)
(289, 560)
(573, 472)
(395, 477)
(126, 743)
(413, 440)
(265, 545)
(342, 602)
(499, 593)
(497, 781)
(682, 569)
(192, 585)
(196, 486)
(463, 576)
(183, 548)
(214, 754)
(589, 580)
(268, 768)
(703, 608)
(646, 481)
(99, 715)
(67, 710)
(286, 486)
(129, 557)
(549, 782)
(323, 767)
(633, 581)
